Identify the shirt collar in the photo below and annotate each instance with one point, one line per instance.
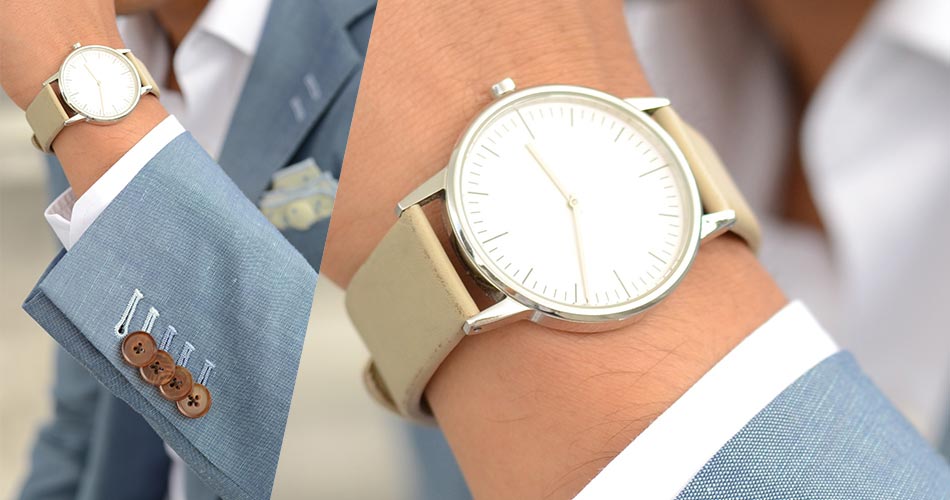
(240, 23)
(922, 24)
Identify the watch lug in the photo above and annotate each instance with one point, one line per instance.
(504, 312)
(426, 192)
(51, 79)
(74, 119)
(648, 104)
(145, 90)
(716, 223)
(123, 51)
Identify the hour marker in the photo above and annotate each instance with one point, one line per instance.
(619, 134)
(526, 277)
(518, 111)
(622, 285)
(670, 215)
(656, 257)
(477, 192)
(495, 237)
(654, 170)
(490, 151)
(572, 117)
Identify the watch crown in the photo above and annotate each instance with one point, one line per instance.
(503, 87)
(76, 45)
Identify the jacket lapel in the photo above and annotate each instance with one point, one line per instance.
(304, 57)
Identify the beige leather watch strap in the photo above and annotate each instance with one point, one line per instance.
(716, 187)
(144, 75)
(409, 305)
(47, 116)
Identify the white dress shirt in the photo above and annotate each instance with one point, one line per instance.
(660, 462)
(211, 65)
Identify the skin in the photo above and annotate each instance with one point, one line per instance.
(568, 403)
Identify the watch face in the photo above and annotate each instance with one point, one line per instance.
(99, 83)
(574, 203)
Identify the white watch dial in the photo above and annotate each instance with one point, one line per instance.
(574, 203)
(99, 83)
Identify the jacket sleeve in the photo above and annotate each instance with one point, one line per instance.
(182, 253)
(59, 453)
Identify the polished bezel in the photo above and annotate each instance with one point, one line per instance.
(122, 57)
(558, 315)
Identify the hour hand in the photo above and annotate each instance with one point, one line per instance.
(93, 75)
(547, 170)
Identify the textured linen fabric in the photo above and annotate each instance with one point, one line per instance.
(830, 435)
(218, 272)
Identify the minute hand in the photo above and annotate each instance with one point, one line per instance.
(557, 183)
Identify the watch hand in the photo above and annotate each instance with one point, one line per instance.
(550, 174)
(575, 213)
(102, 100)
(93, 75)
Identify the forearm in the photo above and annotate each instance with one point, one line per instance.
(36, 38)
(528, 411)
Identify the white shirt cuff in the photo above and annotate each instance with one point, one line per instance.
(660, 462)
(69, 218)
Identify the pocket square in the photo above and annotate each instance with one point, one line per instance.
(301, 195)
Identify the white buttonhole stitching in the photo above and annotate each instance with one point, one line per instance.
(186, 351)
(122, 327)
(170, 333)
(205, 373)
(150, 320)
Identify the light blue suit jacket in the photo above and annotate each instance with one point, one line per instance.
(186, 233)
(831, 435)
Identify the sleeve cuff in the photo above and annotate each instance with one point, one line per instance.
(69, 218)
(660, 462)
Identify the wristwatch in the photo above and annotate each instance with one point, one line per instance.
(96, 84)
(571, 207)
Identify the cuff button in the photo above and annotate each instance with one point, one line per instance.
(138, 349)
(179, 386)
(196, 403)
(159, 370)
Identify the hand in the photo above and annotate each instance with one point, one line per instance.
(574, 203)
(36, 35)
(557, 183)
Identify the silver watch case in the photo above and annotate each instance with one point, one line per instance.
(79, 116)
(511, 305)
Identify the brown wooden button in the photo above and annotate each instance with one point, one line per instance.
(179, 386)
(160, 370)
(138, 349)
(197, 403)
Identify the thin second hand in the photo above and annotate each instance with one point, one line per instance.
(573, 203)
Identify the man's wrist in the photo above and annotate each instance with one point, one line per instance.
(592, 393)
(87, 150)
